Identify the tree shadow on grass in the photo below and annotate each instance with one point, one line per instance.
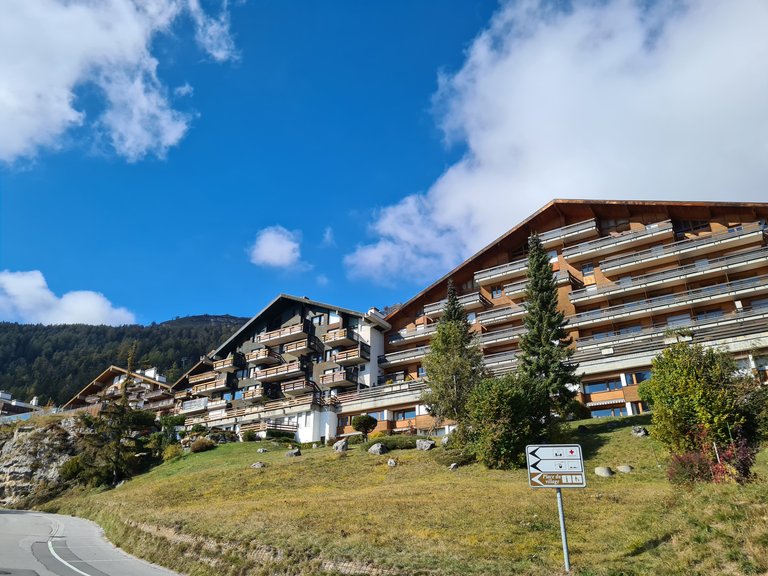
(648, 545)
(589, 433)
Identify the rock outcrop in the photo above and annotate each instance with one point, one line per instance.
(30, 458)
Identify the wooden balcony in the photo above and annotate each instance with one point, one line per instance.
(298, 348)
(339, 379)
(470, 302)
(505, 336)
(404, 357)
(263, 357)
(285, 334)
(264, 426)
(200, 378)
(222, 382)
(500, 315)
(296, 387)
(231, 363)
(166, 404)
(497, 274)
(340, 337)
(157, 393)
(255, 394)
(358, 355)
(610, 244)
(277, 373)
(420, 332)
(194, 406)
(569, 233)
(605, 398)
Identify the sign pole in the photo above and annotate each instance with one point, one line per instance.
(563, 532)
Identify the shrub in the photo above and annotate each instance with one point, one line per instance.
(396, 442)
(172, 452)
(505, 414)
(71, 469)
(379, 434)
(250, 436)
(355, 439)
(688, 468)
(364, 424)
(281, 434)
(198, 429)
(202, 445)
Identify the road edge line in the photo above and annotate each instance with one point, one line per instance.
(60, 559)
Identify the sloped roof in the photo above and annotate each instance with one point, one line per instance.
(99, 383)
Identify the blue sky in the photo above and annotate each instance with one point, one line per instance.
(201, 158)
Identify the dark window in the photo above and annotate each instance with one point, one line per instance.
(317, 320)
(405, 414)
(496, 292)
(587, 269)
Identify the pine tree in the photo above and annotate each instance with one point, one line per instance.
(454, 364)
(546, 357)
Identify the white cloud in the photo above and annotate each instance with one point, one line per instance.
(49, 49)
(184, 90)
(277, 247)
(602, 100)
(25, 297)
(322, 280)
(328, 238)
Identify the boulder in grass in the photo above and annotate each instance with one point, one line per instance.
(261, 450)
(391, 462)
(257, 465)
(293, 453)
(639, 431)
(604, 472)
(314, 446)
(624, 468)
(341, 446)
(378, 449)
(445, 439)
(453, 467)
(425, 444)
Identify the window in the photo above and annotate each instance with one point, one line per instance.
(226, 396)
(242, 374)
(605, 412)
(408, 414)
(496, 292)
(681, 227)
(318, 320)
(421, 372)
(709, 314)
(333, 318)
(552, 255)
(343, 421)
(238, 395)
(588, 269)
(634, 329)
(642, 376)
(602, 386)
(614, 225)
(379, 415)
(759, 304)
(678, 320)
(471, 317)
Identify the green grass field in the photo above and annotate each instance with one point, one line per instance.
(211, 514)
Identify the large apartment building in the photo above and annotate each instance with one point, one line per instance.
(290, 368)
(632, 277)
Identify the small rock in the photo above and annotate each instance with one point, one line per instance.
(425, 444)
(604, 472)
(391, 462)
(341, 445)
(258, 465)
(445, 439)
(314, 446)
(378, 449)
(639, 431)
(624, 468)
(453, 467)
(261, 450)
(293, 453)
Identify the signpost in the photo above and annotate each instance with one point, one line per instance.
(556, 466)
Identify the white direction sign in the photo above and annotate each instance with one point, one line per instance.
(555, 466)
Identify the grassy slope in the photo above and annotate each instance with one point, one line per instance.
(210, 513)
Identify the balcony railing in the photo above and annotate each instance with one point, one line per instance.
(502, 362)
(277, 373)
(718, 292)
(517, 289)
(295, 387)
(395, 358)
(354, 356)
(569, 233)
(498, 315)
(340, 337)
(231, 363)
(503, 272)
(694, 247)
(204, 377)
(286, 334)
(157, 393)
(160, 404)
(222, 382)
(263, 356)
(609, 244)
(501, 336)
(192, 406)
(339, 378)
(700, 269)
(256, 393)
(299, 347)
(265, 426)
(420, 332)
(395, 387)
(471, 301)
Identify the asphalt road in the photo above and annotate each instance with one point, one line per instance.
(37, 544)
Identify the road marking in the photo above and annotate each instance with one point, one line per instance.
(60, 559)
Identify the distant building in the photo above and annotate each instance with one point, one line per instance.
(11, 407)
(145, 390)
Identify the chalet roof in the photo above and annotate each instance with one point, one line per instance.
(105, 379)
(280, 299)
(559, 206)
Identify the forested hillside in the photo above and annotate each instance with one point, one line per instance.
(54, 362)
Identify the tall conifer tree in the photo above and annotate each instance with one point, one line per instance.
(454, 364)
(545, 360)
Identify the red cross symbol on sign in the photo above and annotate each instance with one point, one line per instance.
(570, 451)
